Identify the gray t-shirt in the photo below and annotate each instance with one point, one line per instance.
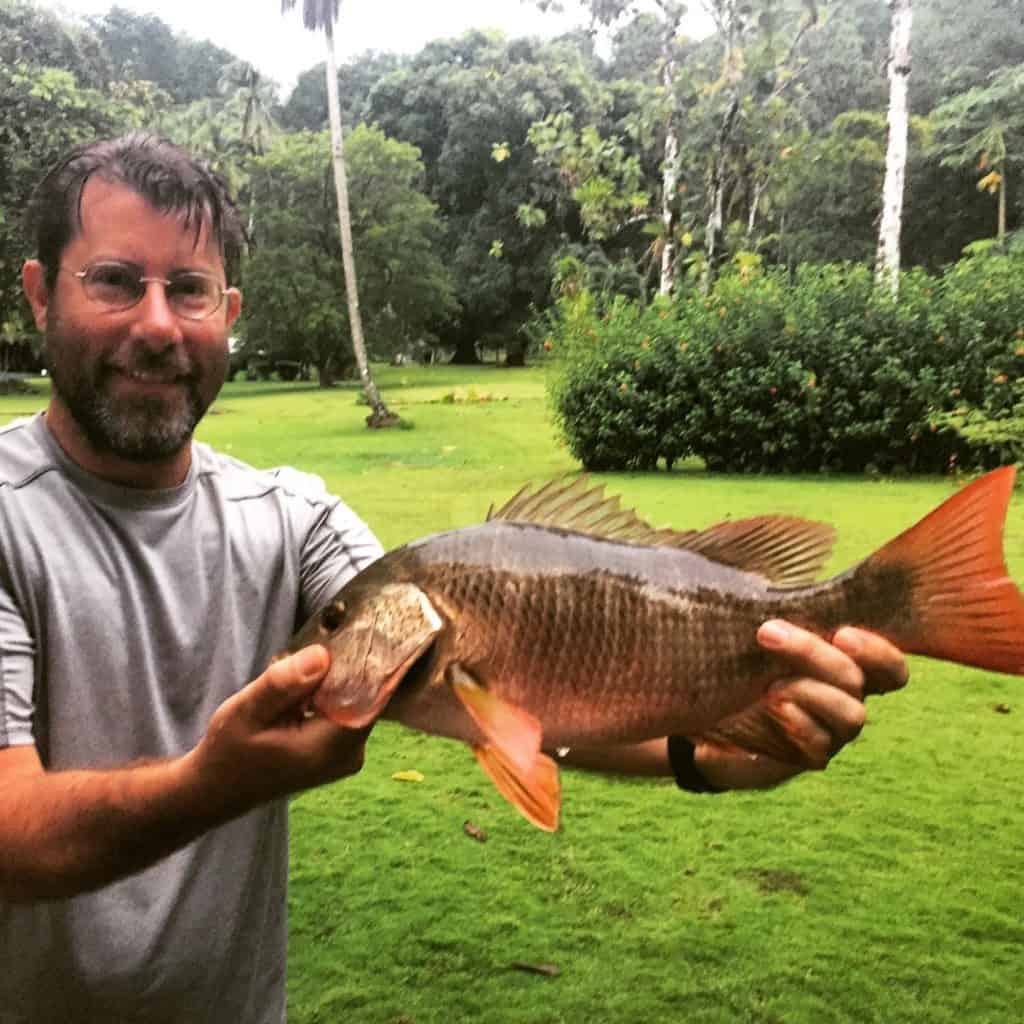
(126, 618)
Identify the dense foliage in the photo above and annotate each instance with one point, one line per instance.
(819, 372)
(656, 160)
(293, 276)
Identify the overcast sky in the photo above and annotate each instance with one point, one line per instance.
(256, 31)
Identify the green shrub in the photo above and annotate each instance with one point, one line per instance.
(616, 395)
(821, 372)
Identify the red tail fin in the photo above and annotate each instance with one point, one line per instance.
(965, 607)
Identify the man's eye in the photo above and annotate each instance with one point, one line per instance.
(114, 277)
(189, 287)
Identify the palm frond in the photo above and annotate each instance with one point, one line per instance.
(317, 15)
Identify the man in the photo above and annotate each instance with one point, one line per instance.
(144, 581)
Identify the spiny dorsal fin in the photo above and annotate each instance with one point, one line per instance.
(570, 504)
(783, 549)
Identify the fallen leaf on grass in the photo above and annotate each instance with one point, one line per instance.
(408, 776)
(548, 970)
(474, 832)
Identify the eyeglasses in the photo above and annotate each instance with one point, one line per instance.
(118, 286)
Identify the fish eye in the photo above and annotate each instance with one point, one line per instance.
(332, 616)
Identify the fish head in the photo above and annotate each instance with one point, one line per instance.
(375, 634)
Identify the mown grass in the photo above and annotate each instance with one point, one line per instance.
(887, 889)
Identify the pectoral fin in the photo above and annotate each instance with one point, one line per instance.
(511, 755)
(535, 794)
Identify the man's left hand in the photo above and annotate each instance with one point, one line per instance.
(825, 695)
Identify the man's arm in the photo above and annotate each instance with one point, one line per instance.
(66, 832)
(825, 696)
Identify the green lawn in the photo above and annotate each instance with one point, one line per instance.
(888, 889)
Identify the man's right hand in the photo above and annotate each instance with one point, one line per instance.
(66, 832)
(261, 744)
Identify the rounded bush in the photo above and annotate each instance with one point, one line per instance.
(820, 372)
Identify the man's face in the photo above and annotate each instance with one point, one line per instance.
(136, 381)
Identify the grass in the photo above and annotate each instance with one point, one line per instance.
(887, 889)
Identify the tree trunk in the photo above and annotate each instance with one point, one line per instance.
(716, 219)
(379, 416)
(669, 184)
(1001, 226)
(670, 168)
(887, 261)
(755, 202)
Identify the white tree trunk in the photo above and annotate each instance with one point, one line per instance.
(669, 184)
(670, 168)
(887, 262)
(379, 414)
(716, 216)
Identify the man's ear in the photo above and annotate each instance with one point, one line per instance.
(33, 283)
(233, 300)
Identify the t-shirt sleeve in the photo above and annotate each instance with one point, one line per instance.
(17, 675)
(337, 545)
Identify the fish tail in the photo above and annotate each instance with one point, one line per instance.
(958, 601)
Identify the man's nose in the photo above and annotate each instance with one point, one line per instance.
(155, 321)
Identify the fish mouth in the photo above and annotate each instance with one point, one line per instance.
(415, 677)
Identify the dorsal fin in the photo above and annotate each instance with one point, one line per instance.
(788, 551)
(783, 549)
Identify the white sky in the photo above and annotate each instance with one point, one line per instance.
(256, 31)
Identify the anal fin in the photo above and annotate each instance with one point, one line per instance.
(765, 728)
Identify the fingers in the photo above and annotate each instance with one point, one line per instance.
(285, 685)
(883, 665)
(812, 657)
(825, 717)
(332, 751)
(823, 702)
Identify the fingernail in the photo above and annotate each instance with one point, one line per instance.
(309, 663)
(849, 642)
(774, 633)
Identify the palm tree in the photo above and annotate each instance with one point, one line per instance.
(982, 128)
(247, 106)
(320, 15)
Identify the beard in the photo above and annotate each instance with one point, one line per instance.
(138, 428)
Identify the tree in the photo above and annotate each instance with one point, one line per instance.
(984, 127)
(960, 46)
(406, 291)
(33, 36)
(761, 44)
(142, 46)
(468, 105)
(320, 15)
(45, 113)
(887, 259)
(664, 24)
(306, 107)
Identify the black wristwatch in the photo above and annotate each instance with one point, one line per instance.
(688, 776)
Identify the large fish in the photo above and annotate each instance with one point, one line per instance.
(563, 620)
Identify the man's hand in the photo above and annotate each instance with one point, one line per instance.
(66, 832)
(261, 744)
(825, 696)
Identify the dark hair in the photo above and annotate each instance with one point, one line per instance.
(167, 177)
